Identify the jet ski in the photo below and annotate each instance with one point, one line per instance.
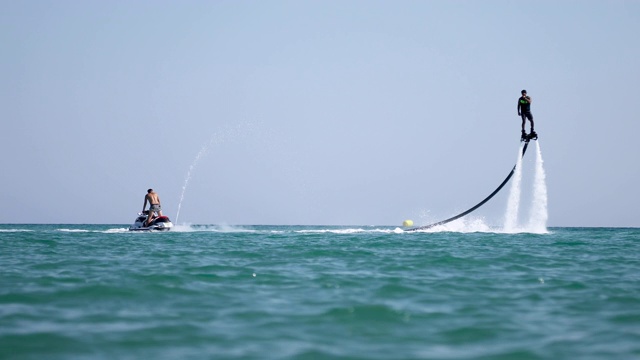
(160, 223)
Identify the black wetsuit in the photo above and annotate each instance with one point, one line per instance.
(524, 108)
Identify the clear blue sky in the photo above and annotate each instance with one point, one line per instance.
(314, 112)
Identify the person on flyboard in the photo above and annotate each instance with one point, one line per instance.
(524, 111)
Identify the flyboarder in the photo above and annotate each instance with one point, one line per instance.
(524, 111)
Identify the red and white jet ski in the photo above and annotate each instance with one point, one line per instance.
(160, 223)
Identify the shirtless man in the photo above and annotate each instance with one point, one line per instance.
(154, 205)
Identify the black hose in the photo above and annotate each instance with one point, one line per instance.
(524, 150)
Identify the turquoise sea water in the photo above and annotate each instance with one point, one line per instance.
(317, 292)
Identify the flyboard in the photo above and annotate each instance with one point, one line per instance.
(526, 138)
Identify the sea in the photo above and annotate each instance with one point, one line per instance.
(318, 292)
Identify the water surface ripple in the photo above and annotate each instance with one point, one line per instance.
(304, 292)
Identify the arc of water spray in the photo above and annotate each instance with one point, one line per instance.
(215, 139)
(201, 153)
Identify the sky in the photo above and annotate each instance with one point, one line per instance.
(315, 112)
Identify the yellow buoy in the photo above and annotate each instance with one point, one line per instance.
(407, 223)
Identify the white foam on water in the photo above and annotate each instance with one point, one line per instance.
(463, 225)
(222, 228)
(344, 231)
(513, 203)
(115, 231)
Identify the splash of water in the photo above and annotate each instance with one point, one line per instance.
(513, 204)
(539, 213)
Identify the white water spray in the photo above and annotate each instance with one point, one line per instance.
(216, 138)
(203, 151)
(513, 204)
(539, 213)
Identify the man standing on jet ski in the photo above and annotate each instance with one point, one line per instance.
(524, 111)
(154, 205)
